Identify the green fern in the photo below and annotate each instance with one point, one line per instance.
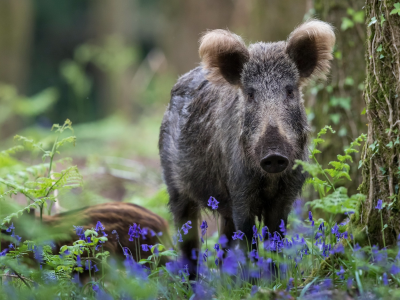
(333, 199)
(38, 183)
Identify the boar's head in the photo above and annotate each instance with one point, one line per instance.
(268, 78)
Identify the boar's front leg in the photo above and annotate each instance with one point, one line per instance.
(185, 210)
(244, 222)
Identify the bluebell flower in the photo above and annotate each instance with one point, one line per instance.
(185, 227)
(341, 273)
(238, 235)
(172, 267)
(156, 251)
(205, 255)
(184, 272)
(194, 255)
(145, 247)
(335, 229)
(134, 269)
(230, 264)
(79, 232)
(282, 227)
(385, 279)
(95, 287)
(394, 269)
(143, 233)
(4, 252)
(213, 203)
(203, 228)
(264, 232)
(78, 261)
(339, 248)
(216, 247)
(116, 234)
(223, 240)
(253, 255)
(88, 265)
(126, 251)
(95, 268)
(254, 290)
(11, 228)
(290, 284)
(180, 237)
(379, 204)
(327, 283)
(349, 283)
(134, 231)
(321, 226)
(99, 227)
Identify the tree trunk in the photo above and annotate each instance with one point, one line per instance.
(381, 154)
(340, 104)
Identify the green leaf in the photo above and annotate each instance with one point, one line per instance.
(373, 21)
(379, 49)
(364, 111)
(382, 19)
(90, 232)
(396, 10)
(346, 24)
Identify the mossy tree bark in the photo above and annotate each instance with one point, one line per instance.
(340, 104)
(381, 153)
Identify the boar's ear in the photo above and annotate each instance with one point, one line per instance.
(223, 54)
(310, 46)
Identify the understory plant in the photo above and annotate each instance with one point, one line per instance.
(307, 258)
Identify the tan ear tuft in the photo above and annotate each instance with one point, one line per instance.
(223, 54)
(310, 46)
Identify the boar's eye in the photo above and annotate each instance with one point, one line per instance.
(289, 92)
(250, 95)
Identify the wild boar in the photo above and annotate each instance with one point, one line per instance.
(235, 126)
(116, 216)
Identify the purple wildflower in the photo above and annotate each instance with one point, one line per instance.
(116, 234)
(11, 228)
(238, 235)
(134, 231)
(194, 255)
(223, 240)
(95, 268)
(216, 247)
(290, 284)
(185, 227)
(349, 283)
(379, 204)
(4, 252)
(99, 227)
(145, 247)
(134, 269)
(282, 227)
(264, 232)
(79, 232)
(254, 290)
(213, 203)
(394, 270)
(385, 279)
(78, 261)
(341, 273)
(205, 255)
(203, 228)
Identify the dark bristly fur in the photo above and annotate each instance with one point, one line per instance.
(225, 116)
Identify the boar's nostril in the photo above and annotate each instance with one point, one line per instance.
(274, 163)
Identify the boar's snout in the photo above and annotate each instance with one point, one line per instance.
(274, 163)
